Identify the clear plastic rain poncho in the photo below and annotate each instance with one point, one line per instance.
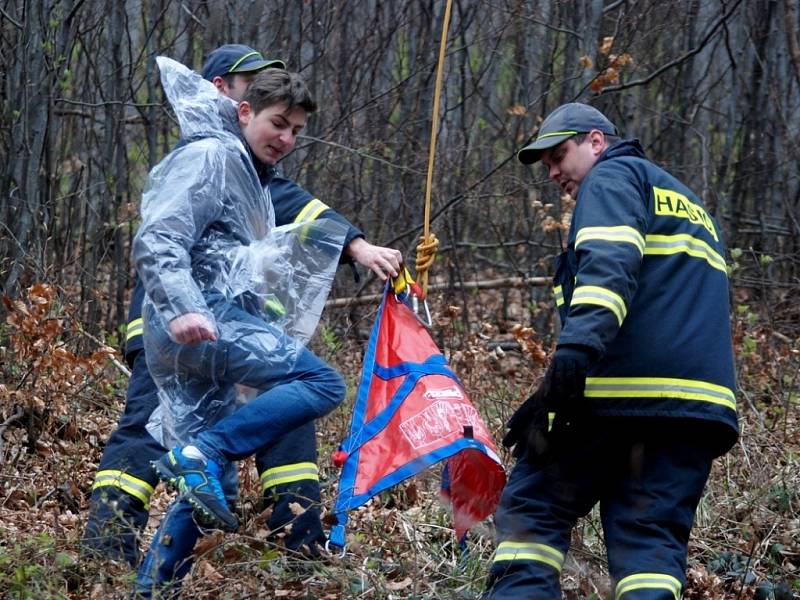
(208, 242)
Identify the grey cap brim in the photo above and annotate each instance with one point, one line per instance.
(533, 151)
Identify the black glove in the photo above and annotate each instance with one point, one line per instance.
(531, 415)
(561, 392)
(565, 382)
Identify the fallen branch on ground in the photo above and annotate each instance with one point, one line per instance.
(488, 284)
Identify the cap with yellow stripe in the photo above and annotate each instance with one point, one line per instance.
(563, 123)
(237, 58)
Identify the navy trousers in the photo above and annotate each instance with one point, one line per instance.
(648, 477)
(295, 387)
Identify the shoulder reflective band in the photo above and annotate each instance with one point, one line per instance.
(649, 581)
(659, 387)
(138, 488)
(674, 244)
(516, 551)
(289, 474)
(134, 328)
(600, 296)
(311, 211)
(619, 234)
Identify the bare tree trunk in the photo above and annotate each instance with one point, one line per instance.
(790, 25)
(24, 182)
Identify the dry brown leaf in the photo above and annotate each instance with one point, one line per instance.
(399, 585)
(209, 543)
(296, 508)
(208, 572)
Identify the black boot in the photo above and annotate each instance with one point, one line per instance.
(295, 514)
(116, 520)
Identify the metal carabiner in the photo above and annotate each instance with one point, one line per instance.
(428, 321)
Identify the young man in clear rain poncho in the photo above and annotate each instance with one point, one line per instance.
(119, 504)
(230, 299)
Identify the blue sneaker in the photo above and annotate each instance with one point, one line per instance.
(200, 485)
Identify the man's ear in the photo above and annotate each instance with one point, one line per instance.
(219, 83)
(598, 140)
(245, 111)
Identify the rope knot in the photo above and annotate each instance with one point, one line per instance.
(426, 252)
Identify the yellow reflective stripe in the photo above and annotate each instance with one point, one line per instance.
(685, 243)
(322, 208)
(618, 234)
(138, 488)
(659, 387)
(274, 306)
(554, 133)
(289, 474)
(674, 204)
(134, 328)
(529, 551)
(600, 296)
(311, 211)
(558, 292)
(551, 416)
(245, 57)
(653, 581)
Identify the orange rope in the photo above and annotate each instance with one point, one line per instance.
(426, 250)
(426, 254)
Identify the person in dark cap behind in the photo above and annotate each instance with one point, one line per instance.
(230, 68)
(120, 499)
(639, 397)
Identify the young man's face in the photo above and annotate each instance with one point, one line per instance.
(236, 90)
(568, 163)
(272, 133)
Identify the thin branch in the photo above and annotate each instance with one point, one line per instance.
(15, 23)
(678, 61)
(359, 153)
(122, 368)
(107, 103)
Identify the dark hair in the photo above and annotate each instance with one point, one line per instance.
(278, 86)
(229, 78)
(580, 137)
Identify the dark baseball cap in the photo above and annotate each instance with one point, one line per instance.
(236, 58)
(561, 124)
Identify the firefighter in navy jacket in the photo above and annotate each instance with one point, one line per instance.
(639, 397)
(125, 480)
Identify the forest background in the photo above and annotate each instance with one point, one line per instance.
(710, 87)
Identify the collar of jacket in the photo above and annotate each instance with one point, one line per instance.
(264, 171)
(622, 148)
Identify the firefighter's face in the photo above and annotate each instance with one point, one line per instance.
(568, 163)
(271, 133)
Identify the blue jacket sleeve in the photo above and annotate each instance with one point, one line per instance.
(293, 204)
(608, 234)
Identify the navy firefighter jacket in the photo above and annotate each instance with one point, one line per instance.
(644, 283)
(292, 204)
